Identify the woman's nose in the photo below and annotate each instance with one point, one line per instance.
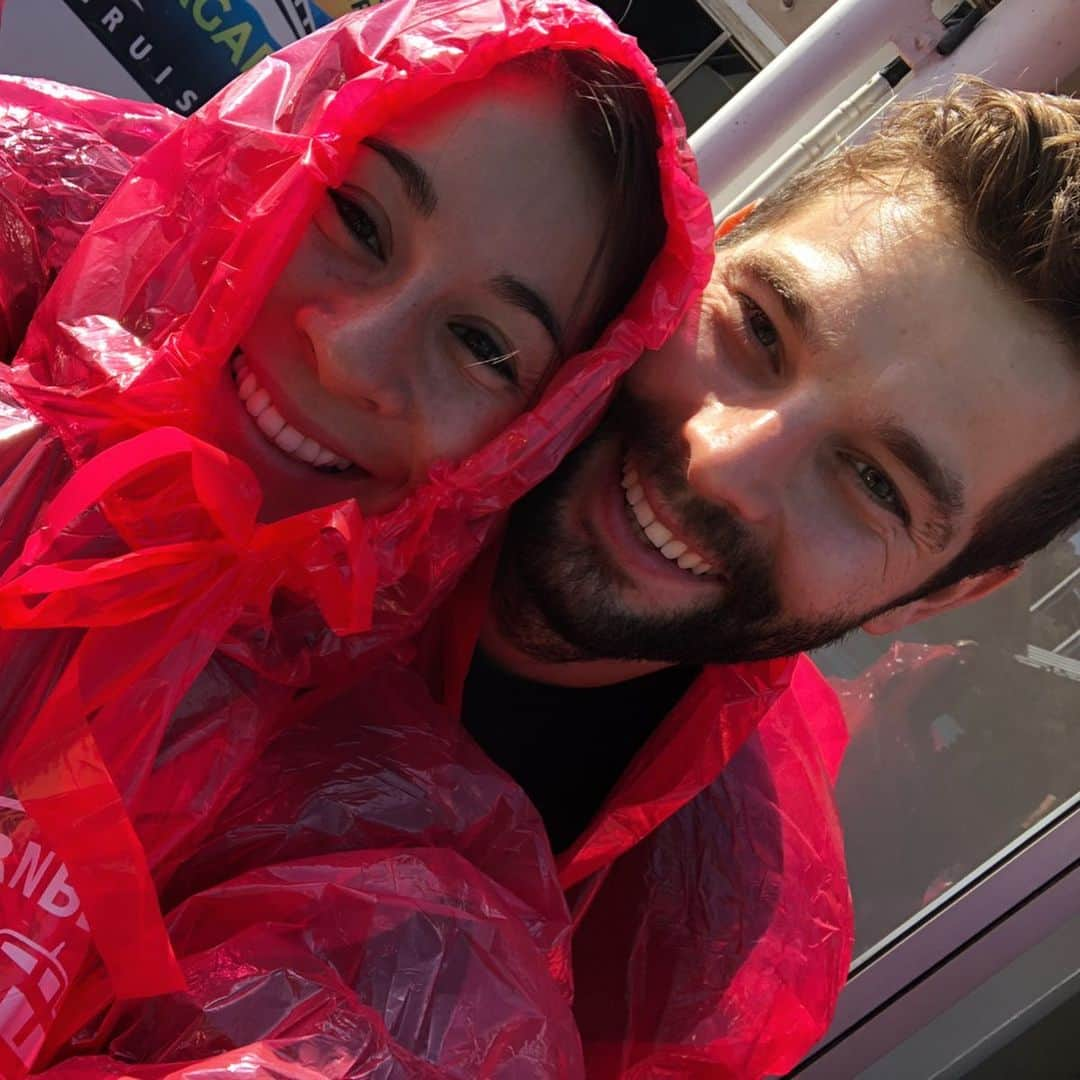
(365, 349)
(747, 459)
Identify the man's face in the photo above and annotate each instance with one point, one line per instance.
(816, 443)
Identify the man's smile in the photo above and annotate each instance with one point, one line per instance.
(648, 554)
(672, 547)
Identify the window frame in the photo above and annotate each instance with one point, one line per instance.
(1005, 906)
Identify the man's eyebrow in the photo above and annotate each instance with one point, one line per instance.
(783, 278)
(945, 488)
(417, 184)
(514, 291)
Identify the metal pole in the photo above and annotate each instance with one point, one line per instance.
(847, 35)
(819, 141)
(1021, 44)
(723, 37)
(1059, 587)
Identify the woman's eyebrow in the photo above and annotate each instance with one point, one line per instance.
(514, 291)
(419, 189)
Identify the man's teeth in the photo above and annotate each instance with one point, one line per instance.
(272, 424)
(661, 537)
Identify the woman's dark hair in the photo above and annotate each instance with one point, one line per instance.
(614, 119)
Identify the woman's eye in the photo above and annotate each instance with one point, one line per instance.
(762, 330)
(881, 488)
(488, 352)
(359, 222)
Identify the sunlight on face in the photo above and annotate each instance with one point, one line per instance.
(816, 442)
(845, 393)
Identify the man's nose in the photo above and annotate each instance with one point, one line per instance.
(748, 459)
(364, 349)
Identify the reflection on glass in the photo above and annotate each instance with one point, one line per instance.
(965, 731)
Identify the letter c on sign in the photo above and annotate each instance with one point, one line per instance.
(202, 20)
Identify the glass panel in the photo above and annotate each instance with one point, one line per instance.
(725, 73)
(674, 33)
(670, 31)
(965, 731)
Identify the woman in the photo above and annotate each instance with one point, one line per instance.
(185, 623)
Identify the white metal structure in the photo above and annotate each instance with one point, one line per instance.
(1025, 44)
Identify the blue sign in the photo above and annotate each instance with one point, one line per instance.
(181, 52)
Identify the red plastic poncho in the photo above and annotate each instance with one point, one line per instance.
(144, 665)
(713, 932)
(380, 893)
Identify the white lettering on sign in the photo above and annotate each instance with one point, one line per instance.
(31, 869)
(60, 899)
(31, 876)
(112, 19)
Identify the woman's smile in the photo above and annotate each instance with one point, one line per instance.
(288, 439)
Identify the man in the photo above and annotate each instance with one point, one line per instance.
(874, 418)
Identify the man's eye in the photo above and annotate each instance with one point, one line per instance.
(881, 488)
(762, 330)
(489, 353)
(359, 222)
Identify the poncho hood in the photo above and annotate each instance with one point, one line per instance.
(172, 272)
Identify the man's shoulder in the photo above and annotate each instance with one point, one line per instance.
(791, 689)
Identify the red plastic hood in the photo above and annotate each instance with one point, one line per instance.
(173, 270)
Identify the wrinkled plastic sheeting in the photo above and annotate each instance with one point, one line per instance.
(63, 151)
(376, 887)
(378, 880)
(318, 1058)
(144, 668)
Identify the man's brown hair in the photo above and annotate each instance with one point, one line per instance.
(1006, 164)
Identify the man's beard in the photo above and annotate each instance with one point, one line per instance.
(557, 596)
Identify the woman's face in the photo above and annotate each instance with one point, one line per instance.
(431, 297)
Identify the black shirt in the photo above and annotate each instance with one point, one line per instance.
(566, 746)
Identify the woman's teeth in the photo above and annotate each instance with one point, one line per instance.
(660, 536)
(272, 424)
